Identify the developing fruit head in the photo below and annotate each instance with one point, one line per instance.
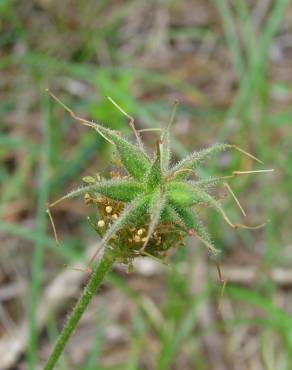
(152, 208)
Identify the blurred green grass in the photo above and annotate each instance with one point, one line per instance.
(52, 154)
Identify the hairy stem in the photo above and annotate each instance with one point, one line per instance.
(95, 280)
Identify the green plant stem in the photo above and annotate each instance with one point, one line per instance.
(95, 280)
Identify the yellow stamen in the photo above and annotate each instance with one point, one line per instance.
(87, 198)
(108, 209)
(140, 231)
(137, 238)
(101, 223)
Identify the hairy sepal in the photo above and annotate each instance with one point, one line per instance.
(205, 183)
(181, 194)
(124, 190)
(203, 197)
(180, 170)
(165, 152)
(133, 158)
(194, 225)
(170, 215)
(156, 207)
(164, 145)
(154, 176)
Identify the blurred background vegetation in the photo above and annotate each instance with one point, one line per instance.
(229, 63)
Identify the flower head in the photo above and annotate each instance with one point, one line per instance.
(152, 207)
